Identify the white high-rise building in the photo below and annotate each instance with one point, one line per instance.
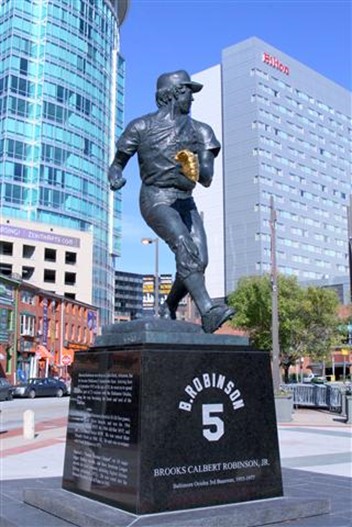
(286, 132)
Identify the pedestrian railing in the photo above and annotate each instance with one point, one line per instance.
(316, 395)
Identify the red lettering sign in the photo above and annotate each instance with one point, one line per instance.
(275, 63)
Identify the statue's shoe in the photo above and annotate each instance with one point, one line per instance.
(166, 312)
(215, 317)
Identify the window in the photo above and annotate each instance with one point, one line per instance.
(70, 278)
(20, 172)
(27, 297)
(27, 325)
(27, 272)
(70, 295)
(16, 149)
(50, 255)
(49, 276)
(70, 258)
(28, 251)
(19, 106)
(88, 147)
(23, 66)
(15, 193)
(6, 248)
(53, 112)
(5, 269)
(21, 86)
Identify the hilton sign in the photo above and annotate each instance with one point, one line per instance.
(275, 63)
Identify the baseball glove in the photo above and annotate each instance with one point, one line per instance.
(189, 164)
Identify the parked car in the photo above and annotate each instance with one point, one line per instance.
(41, 387)
(309, 377)
(6, 389)
(319, 380)
(67, 382)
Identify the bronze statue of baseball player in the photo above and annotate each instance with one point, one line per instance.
(174, 153)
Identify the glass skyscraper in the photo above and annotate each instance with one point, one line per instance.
(61, 109)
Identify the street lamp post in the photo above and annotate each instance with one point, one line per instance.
(148, 241)
(349, 230)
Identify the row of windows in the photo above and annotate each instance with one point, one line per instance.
(97, 13)
(29, 252)
(340, 179)
(24, 108)
(83, 36)
(298, 93)
(72, 331)
(67, 22)
(305, 233)
(54, 154)
(299, 126)
(339, 227)
(63, 94)
(23, 86)
(24, 151)
(290, 271)
(286, 135)
(55, 177)
(302, 246)
(95, 148)
(54, 199)
(26, 88)
(83, 72)
(49, 277)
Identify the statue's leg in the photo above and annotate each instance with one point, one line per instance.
(181, 227)
(177, 293)
(217, 314)
(178, 223)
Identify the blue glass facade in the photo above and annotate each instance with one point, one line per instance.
(61, 106)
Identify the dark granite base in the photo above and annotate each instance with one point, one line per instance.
(88, 513)
(163, 417)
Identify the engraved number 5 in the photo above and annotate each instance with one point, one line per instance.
(213, 426)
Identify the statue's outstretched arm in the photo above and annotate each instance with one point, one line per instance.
(115, 177)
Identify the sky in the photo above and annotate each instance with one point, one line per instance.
(158, 36)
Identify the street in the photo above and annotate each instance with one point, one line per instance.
(44, 408)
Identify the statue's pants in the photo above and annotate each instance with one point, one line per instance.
(173, 216)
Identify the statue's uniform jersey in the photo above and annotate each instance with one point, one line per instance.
(157, 139)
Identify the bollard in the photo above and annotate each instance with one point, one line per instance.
(343, 403)
(349, 409)
(28, 424)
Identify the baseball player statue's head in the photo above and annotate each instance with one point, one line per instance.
(176, 90)
(175, 152)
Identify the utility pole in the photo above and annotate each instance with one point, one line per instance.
(274, 300)
(349, 231)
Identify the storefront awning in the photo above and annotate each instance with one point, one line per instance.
(42, 352)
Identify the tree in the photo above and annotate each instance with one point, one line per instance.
(308, 319)
(345, 326)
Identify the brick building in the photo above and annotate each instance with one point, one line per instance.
(40, 331)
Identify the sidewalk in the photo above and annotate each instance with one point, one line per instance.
(315, 451)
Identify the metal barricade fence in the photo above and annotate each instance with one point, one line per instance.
(316, 395)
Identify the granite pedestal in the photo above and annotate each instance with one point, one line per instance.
(164, 417)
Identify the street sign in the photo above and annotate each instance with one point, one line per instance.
(66, 360)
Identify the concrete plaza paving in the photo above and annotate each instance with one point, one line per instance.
(315, 450)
